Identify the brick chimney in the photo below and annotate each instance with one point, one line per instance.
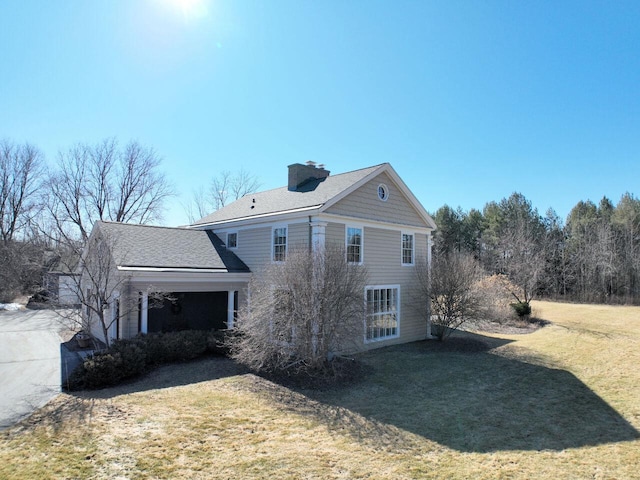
(300, 174)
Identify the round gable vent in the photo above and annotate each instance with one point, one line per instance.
(383, 192)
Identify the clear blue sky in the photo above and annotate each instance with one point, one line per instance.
(468, 100)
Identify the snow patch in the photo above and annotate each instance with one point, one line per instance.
(10, 306)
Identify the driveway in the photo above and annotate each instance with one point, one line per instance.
(29, 361)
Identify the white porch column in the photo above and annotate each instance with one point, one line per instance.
(318, 234)
(144, 313)
(230, 308)
(318, 244)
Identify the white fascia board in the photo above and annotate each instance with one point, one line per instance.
(159, 277)
(279, 217)
(172, 269)
(330, 217)
(411, 198)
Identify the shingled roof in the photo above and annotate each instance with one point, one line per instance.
(313, 195)
(170, 248)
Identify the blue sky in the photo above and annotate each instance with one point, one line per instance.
(468, 100)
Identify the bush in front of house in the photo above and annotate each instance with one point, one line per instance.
(99, 370)
(219, 341)
(174, 346)
(129, 358)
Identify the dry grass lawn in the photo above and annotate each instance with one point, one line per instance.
(562, 402)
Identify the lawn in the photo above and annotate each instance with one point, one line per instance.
(561, 402)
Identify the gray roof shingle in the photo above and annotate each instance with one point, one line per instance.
(166, 247)
(312, 194)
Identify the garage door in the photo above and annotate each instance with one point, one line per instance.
(190, 311)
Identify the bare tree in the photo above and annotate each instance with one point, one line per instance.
(302, 312)
(454, 290)
(224, 188)
(199, 207)
(104, 182)
(21, 171)
(21, 259)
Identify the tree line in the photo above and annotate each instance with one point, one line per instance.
(592, 257)
(47, 211)
(48, 208)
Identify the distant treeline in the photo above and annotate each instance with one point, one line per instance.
(593, 257)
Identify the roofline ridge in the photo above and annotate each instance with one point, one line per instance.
(143, 225)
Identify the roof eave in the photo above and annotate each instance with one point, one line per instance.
(262, 216)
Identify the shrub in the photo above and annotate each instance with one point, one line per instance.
(497, 292)
(190, 344)
(174, 346)
(132, 357)
(99, 370)
(219, 341)
(523, 309)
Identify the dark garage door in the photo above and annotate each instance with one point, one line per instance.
(190, 311)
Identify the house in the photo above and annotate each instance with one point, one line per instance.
(206, 266)
(60, 281)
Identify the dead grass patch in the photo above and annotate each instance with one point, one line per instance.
(561, 402)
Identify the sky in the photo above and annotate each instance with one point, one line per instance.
(469, 101)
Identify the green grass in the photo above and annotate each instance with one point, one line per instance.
(562, 402)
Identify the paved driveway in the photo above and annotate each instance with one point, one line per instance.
(29, 361)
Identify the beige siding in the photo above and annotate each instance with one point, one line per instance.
(382, 256)
(364, 203)
(335, 233)
(298, 235)
(254, 247)
(383, 260)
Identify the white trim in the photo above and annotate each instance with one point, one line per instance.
(231, 296)
(144, 313)
(114, 317)
(232, 232)
(347, 226)
(397, 312)
(172, 269)
(318, 235)
(251, 219)
(413, 248)
(286, 244)
(325, 217)
(385, 190)
(404, 190)
(335, 218)
(159, 278)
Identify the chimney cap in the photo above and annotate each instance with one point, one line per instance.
(311, 163)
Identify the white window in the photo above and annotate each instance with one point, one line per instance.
(407, 249)
(232, 240)
(383, 312)
(354, 245)
(279, 244)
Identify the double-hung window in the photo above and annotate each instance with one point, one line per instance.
(407, 249)
(279, 251)
(383, 312)
(354, 245)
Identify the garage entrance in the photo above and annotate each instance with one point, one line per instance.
(190, 311)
